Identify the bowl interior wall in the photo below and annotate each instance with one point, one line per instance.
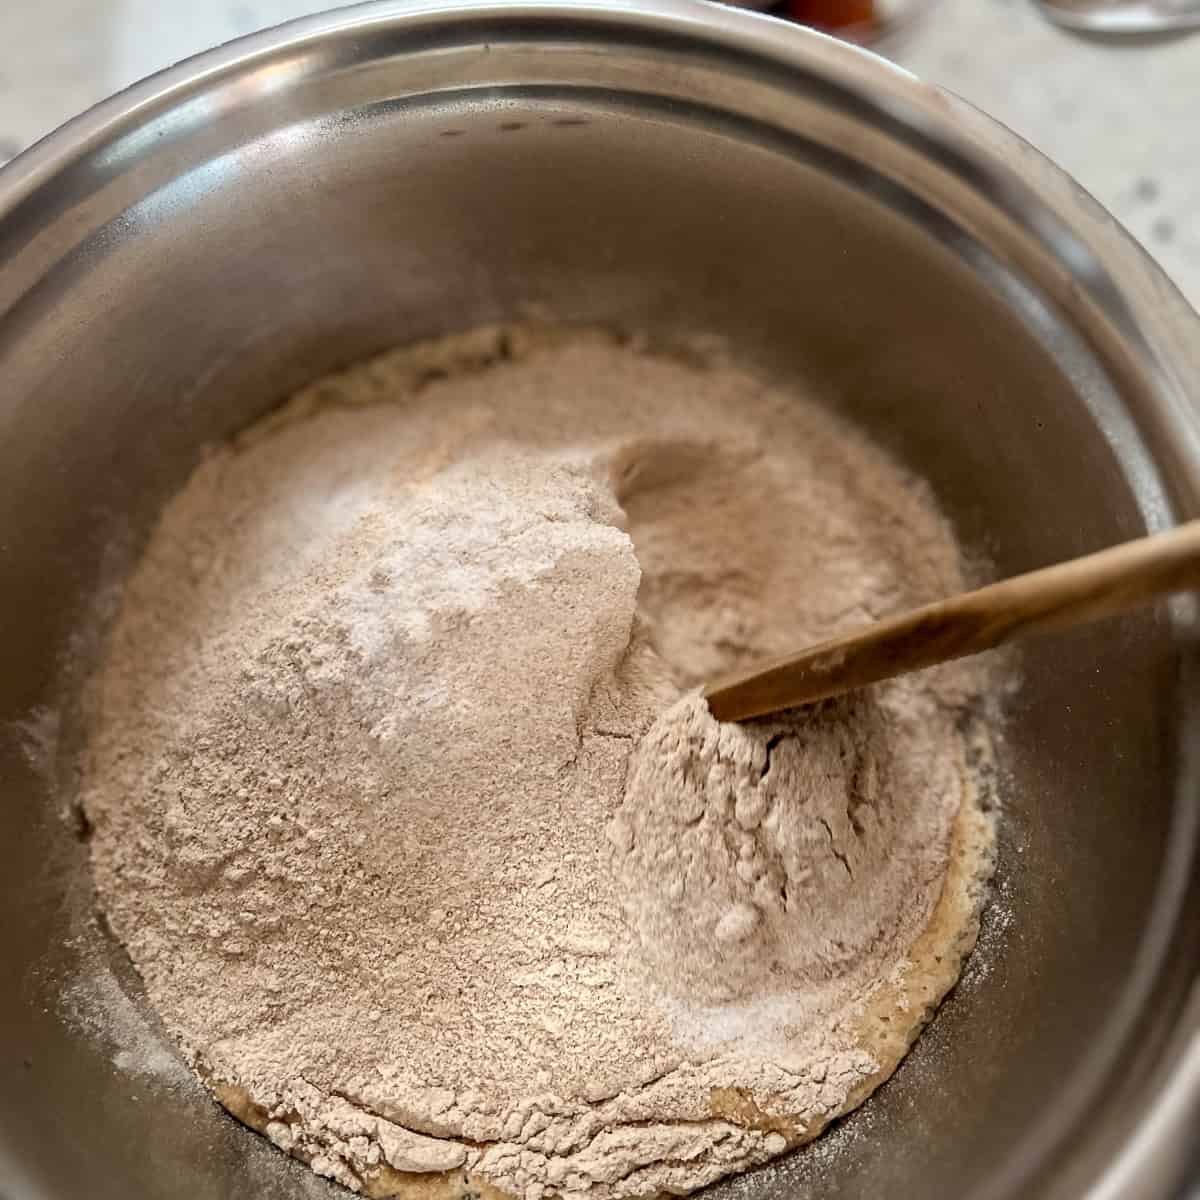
(295, 249)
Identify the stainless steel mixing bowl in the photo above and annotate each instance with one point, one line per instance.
(176, 260)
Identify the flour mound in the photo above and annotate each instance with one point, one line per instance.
(776, 854)
(441, 875)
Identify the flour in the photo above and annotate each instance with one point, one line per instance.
(439, 873)
(756, 855)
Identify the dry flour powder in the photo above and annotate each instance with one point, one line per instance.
(413, 823)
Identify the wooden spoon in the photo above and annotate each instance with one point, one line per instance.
(1071, 593)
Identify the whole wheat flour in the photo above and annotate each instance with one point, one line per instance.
(414, 825)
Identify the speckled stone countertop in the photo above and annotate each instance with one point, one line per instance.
(1123, 121)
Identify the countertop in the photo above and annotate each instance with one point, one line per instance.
(1123, 121)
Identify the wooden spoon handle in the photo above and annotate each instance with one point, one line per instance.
(1071, 593)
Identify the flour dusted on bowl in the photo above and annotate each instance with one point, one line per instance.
(409, 814)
